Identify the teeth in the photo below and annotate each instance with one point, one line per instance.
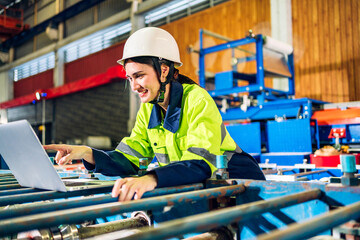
(143, 92)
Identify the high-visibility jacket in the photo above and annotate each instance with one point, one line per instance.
(185, 140)
(192, 129)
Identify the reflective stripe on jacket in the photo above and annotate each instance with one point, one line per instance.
(192, 129)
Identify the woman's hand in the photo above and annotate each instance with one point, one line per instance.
(66, 153)
(127, 188)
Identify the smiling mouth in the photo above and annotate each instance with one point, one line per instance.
(143, 93)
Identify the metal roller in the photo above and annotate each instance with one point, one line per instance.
(202, 222)
(125, 227)
(222, 233)
(316, 225)
(98, 229)
(76, 215)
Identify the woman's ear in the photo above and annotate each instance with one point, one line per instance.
(164, 71)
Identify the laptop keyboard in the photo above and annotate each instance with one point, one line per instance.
(75, 184)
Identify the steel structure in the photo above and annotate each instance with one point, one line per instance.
(230, 208)
(269, 123)
(299, 200)
(11, 22)
(226, 82)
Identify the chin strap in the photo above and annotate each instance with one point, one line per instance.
(161, 96)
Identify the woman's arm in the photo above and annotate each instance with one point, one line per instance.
(66, 153)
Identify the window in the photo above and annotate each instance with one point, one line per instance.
(105, 38)
(96, 41)
(34, 66)
(176, 10)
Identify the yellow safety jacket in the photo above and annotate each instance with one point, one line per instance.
(192, 129)
(185, 142)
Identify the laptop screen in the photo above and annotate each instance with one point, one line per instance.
(26, 158)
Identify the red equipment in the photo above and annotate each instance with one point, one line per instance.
(11, 22)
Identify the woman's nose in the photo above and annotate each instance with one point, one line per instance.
(134, 85)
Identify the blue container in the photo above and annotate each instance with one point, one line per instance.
(221, 161)
(348, 163)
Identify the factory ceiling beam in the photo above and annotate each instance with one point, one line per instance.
(53, 21)
(117, 18)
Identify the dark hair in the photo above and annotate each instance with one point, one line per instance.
(143, 60)
(151, 62)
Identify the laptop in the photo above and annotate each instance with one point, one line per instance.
(29, 162)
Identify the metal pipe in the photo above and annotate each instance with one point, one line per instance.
(316, 225)
(94, 230)
(9, 186)
(216, 35)
(209, 236)
(2, 183)
(280, 171)
(206, 221)
(70, 216)
(19, 191)
(217, 234)
(47, 195)
(2, 179)
(269, 171)
(221, 37)
(308, 173)
(6, 175)
(148, 5)
(41, 207)
(43, 119)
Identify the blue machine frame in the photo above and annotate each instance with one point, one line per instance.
(249, 208)
(292, 117)
(266, 107)
(257, 86)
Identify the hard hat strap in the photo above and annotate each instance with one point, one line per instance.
(160, 98)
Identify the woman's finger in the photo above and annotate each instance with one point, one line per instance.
(58, 156)
(65, 159)
(139, 194)
(117, 186)
(56, 147)
(127, 192)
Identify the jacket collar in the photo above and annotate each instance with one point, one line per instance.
(172, 117)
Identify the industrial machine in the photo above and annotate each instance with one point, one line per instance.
(305, 196)
(11, 22)
(216, 209)
(270, 123)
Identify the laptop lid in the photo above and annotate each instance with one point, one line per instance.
(26, 158)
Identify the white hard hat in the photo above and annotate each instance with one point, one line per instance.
(151, 41)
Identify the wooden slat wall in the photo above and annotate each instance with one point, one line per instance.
(326, 37)
(232, 19)
(327, 32)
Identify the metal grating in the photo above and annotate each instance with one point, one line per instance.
(97, 41)
(34, 66)
(175, 10)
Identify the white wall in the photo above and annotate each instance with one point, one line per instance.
(6, 93)
(281, 29)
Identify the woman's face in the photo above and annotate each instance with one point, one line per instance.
(143, 80)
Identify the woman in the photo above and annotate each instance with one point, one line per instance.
(178, 122)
